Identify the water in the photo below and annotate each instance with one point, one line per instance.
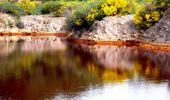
(61, 71)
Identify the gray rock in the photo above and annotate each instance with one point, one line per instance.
(161, 30)
(20, 25)
(115, 26)
(43, 23)
(32, 23)
(7, 22)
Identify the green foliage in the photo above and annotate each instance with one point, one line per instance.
(62, 0)
(66, 8)
(27, 5)
(50, 7)
(37, 10)
(150, 13)
(84, 15)
(11, 8)
(133, 6)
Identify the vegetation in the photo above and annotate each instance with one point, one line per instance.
(114, 7)
(84, 15)
(11, 8)
(27, 5)
(150, 13)
(81, 14)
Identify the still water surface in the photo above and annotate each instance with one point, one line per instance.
(63, 71)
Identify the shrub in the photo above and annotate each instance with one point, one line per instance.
(85, 15)
(66, 8)
(51, 6)
(150, 13)
(133, 6)
(27, 5)
(47, 0)
(37, 10)
(114, 7)
(11, 8)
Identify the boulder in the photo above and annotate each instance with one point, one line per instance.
(43, 23)
(114, 28)
(160, 32)
(7, 22)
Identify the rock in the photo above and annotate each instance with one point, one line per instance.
(6, 22)
(161, 30)
(32, 23)
(115, 27)
(20, 25)
(43, 23)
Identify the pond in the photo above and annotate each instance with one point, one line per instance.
(60, 71)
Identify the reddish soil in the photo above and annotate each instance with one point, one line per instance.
(34, 34)
(135, 44)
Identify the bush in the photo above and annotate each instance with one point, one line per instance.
(85, 15)
(150, 13)
(11, 8)
(27, 5)
(66, 9)
(114, 7)
(50, 7)
(37, 10)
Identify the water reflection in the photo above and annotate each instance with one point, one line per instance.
(58, 70)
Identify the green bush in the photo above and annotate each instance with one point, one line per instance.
(150, 13)
(50, 7)
(11, 8)
(84, 15)
(37, 10)
(67, 6)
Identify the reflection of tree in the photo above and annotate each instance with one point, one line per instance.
(40, 75)
(143, 63)
(34, 73)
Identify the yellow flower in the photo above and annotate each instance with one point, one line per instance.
(162, 3)
(147, 16)
(27, 5)
(148, 24)
(155, 16)
(78, 22)
(111, 7)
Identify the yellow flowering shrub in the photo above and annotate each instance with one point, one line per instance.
(114, 7)
(27, 5)
(91, 16)
(150, 13)
(85, 15)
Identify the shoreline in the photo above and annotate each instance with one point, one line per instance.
(33, 34)
(129, 43)
(43, 36)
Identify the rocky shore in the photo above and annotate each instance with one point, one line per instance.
(112, 28)
(122, 28)
(32, 23)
